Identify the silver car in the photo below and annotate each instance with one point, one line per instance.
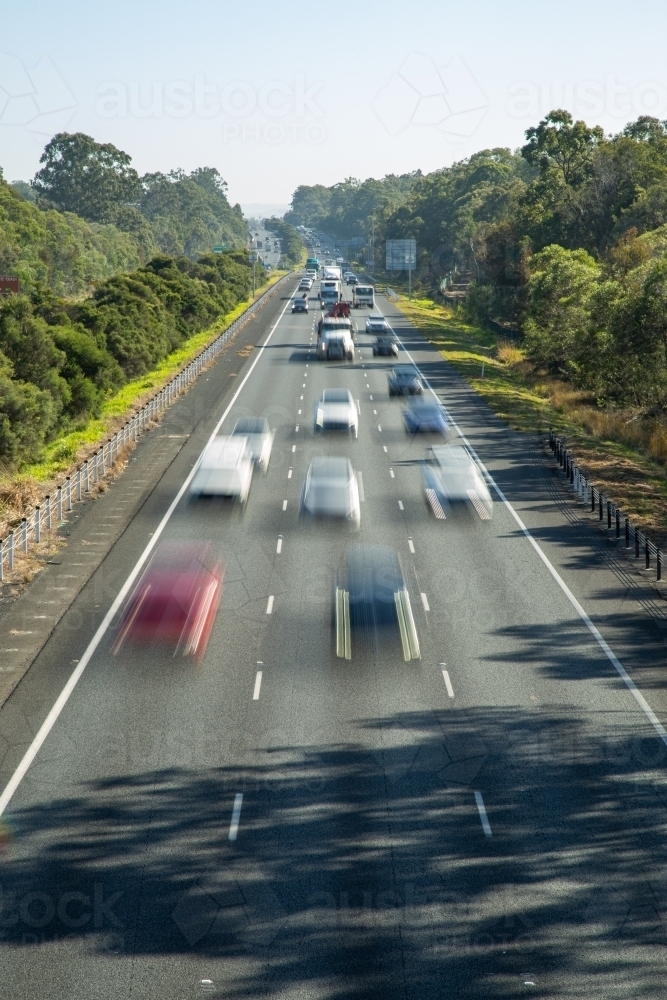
(331, 490)
(224, 469)
(260, 438)
(452, 479)
(337, 411)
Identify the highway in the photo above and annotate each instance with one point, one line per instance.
(487, 821)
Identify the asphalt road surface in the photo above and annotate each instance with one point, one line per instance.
(485, 822)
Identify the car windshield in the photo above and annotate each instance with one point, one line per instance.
(251, 425)
(336, 396)
(403, 371)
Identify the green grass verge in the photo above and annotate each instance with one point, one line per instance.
(59, 456)
(528, 402)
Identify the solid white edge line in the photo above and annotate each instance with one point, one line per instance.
(74, 678)
(448, 683)
(481, 808)
(236, 816)
(258, 684)
(613, 659)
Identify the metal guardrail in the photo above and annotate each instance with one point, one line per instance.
(391, 294)
(49, 514)
(608, 509)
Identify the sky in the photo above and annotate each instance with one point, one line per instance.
(275, 95)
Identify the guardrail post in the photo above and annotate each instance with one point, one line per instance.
(104, 471)
(38, 524)
(47, 501)
(608, 516)
(618, 523)
(636, 544)
(658, 564)
(627, 533)
(647, 553)
(60, 504)
(86, 470)
(78, 484)
(68, 483)
(2, 559)
(10, 548)
(571, 471)
(24, 535)
(600, 506)
(592, 499)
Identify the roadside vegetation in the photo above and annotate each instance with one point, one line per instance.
(21, 489)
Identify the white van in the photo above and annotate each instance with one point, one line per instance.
(363, 295)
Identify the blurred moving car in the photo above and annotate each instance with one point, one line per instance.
(377, 324)
(259, 436)
(405, 380)
(371, 600)
(427, 416)
(453, 479)
(312, 273)
(385, 346)
(300, 305)
(225, 469)
(351, 279)
(337, 411)
(175, 601)
(304, 285)
(331, 490)
(335, 339)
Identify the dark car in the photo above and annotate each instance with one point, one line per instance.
(427, 416)
(405, 380)
(386, 347)
(372, 603)
(175, 602)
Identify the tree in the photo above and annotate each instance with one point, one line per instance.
(558, 296)
(561, 142)
(83, 176)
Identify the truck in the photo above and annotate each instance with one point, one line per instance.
(335, 339)
(331, 273)
(314, 264)
(329, 293)
(363, 295)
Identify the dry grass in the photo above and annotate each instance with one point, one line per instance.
(623, 451)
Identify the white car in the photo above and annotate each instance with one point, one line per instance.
(337, 411)
(453, 479)
(331, 490)
(376, 324)
(225, 469)
(259, 436)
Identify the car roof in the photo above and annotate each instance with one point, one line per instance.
(330, 467)
(251, 425)
(405, 370)
(378, 562)
(453, 456)
(336, 395)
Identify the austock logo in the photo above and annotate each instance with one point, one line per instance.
(445, 98)
(35, 98)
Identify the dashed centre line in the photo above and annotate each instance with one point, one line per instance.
(289, 473)
(279, 546)
(284, 504)
(400, 505)
(258, 684)
(481, 808)
(391, 473)
(425, 602)
(411, 546)
(269, 605)
(448, 683)
(236, 816)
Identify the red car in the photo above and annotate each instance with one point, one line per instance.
(175, 601)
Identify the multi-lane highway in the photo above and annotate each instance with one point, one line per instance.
(486, 821)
